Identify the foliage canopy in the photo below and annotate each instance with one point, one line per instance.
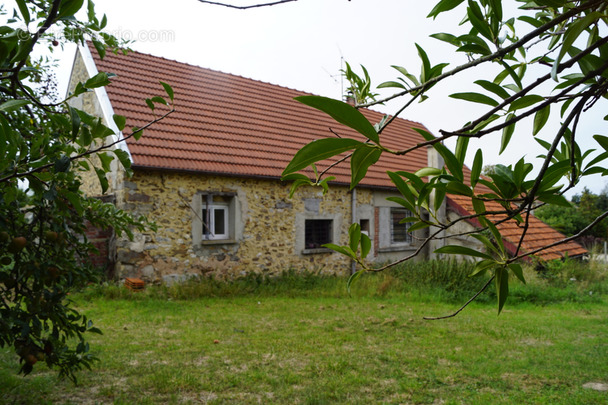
(45, 144)
(553, 61)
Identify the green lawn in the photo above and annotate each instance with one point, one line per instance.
(326, 350)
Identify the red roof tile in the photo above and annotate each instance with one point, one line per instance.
(232, 125)
(538, 234)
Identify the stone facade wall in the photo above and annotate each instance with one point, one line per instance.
(266, 241)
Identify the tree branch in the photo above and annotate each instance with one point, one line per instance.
(496, 55)
(429, 318)
(246, 7)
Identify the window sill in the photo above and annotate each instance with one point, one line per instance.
(395, 248)
(316, 251)
(212, 242)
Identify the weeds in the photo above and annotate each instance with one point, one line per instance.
(441, 281)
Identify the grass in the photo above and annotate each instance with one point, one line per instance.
(300, 339)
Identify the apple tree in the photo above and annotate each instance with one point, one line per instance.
(45, 144)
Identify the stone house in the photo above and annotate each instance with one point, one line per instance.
(209, 176)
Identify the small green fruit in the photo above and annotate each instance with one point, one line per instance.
(51, 236)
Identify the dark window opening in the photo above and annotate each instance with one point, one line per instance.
(317, 233)
(400, 231)
(364, 226)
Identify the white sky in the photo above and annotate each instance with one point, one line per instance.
(300, 45)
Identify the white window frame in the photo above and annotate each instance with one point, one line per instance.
(208, 234)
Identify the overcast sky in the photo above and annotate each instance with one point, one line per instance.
(301, 45)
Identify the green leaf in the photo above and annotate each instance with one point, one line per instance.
(343, 113)
(481, 266)
(418, 225)
(428, 171)
(509, 70)
(487, 243)
(494, 88)
(103, 181)
(69, 7)
(517, 270)
(477, 167)
(75, 121)
(353, 277)
(404, 203)
(62, 165)
(507, 133)
(168, 90)
(531, 20)
(461, 250)
(454, 166)
(345, 250)
(456, 187)
(402, 187)
(99, 80)
(497, 236)
(554, 199)
(13, 105)
(100, 47)
(354, 236)
(123, 157)
(425, 134)
(426, 64)
(120, 121)
(105, 160)
(525, 101)
(602, 140)
(442, 6)
(571, 35)
(475, 98)
(25, 12)
(318, 150)
(416, 182)
(85, 137)
(540, 118)
(391, 83)
(440, 193)
(297, 184)
(137, 133)
(502, 286)
(366, 245)
(449, 38)
(159, 100)
(461, 148)
(478, 21)
(478, 205)
(363, 157)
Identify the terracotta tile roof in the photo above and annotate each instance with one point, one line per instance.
(538, 234)
(232, 125)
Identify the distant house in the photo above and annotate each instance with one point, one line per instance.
(209, 176)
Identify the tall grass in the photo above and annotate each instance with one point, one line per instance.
(438, 280)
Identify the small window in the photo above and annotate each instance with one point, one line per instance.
(364, 226)
(400, 231)
(317, 233)
(215, 219)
